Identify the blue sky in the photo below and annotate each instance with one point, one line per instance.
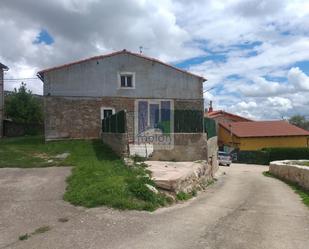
(254, 53)
(44, 37)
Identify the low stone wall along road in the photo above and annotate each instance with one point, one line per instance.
(242, 210)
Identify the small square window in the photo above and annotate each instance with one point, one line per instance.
(126, 80)
(106, 112)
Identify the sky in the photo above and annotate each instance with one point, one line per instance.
(254, 53)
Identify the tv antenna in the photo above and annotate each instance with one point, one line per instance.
(141, 49)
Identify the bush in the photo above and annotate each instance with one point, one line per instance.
(23, 107)
(253, 157)
(267, 155)
(287, 153)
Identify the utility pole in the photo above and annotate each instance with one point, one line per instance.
(2, 69)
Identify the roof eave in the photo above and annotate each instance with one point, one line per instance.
(4, 67)
(116, 53)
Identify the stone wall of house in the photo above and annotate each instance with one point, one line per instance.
(73, 117)
(187, 147)
(193, 104)
(117, 141)
(80, 117)
(287, 170)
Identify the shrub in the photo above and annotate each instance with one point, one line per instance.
(287, 153)
(253, 157)
(267, 155)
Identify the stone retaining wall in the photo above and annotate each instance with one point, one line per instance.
(117, 141)
(181, 176)
(187, 147)
(291, 172)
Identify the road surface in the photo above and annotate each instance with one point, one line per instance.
(242, 210)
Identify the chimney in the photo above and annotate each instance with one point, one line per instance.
(210, 106)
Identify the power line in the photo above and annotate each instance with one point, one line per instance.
(23, 79)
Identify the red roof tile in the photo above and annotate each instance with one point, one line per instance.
(264, 129)
(218, 113)
(116, 53)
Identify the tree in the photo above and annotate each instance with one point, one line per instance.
(300, 121)
(21, 106)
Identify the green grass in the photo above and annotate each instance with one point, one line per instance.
(43, 229)
(24, 237)
(39, 230)
(32, 152)
(302, 163)
(304, 194)
(183, 196)
(98, 177)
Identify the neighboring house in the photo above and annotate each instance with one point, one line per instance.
(221, 116)
(2, 69)
(248, 136)
(79, 95)
(225, 117)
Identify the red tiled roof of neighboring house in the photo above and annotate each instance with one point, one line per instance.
(264, 129)
(117, 53)
(218, 113)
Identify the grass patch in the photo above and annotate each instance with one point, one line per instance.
(137, 158)
(304, 194)
(32, 152)
(302, 163)
(183, 196)
(99, 177)
(24, 237)
(40, 230)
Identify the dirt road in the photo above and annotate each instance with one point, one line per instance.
(243, 210)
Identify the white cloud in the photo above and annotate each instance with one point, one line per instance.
(298, 79)
(260, 39)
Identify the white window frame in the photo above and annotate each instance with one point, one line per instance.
(103, 108)
(152, 101)
(124, 74)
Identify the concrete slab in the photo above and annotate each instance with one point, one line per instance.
(179, 176)
(31, 198)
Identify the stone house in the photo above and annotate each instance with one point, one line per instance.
(79, 95)
(2, 69)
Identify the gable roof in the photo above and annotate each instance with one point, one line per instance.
(40, 73)
(264, 129)
(215, 114)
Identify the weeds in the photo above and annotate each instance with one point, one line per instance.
(24, 237)
(43, 229)
(304, 194)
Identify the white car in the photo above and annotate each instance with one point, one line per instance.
(224, 158)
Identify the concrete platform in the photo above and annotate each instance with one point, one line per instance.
(180, 176)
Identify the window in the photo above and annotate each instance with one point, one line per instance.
(126, 80)
(153, 113)
(106, 111)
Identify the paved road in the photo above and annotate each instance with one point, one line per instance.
(242, 210)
